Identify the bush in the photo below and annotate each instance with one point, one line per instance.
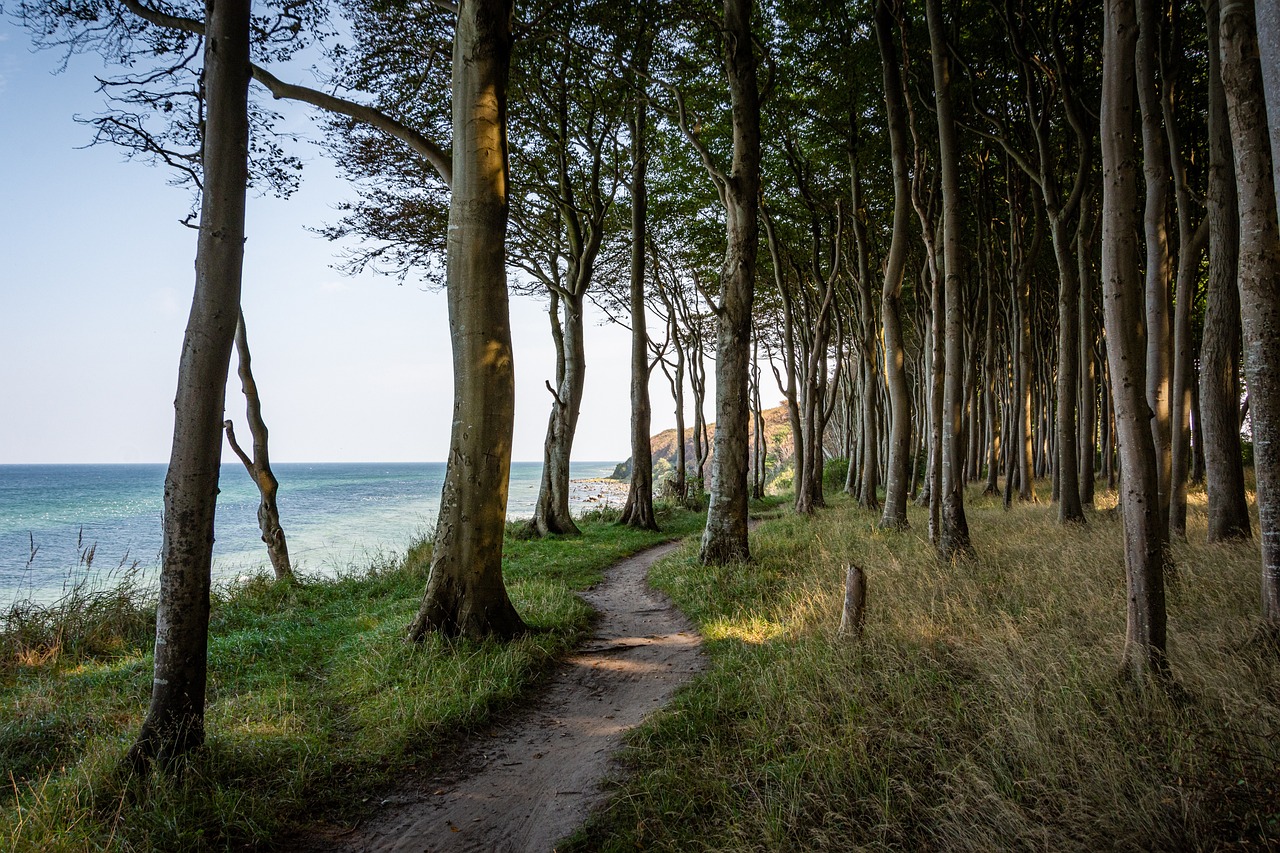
(834, 472)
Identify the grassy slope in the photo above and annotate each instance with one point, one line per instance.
(982, 710)
(314, 701)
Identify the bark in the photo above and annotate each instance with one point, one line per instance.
(1259, 272)
(1268, 24)
(465, 593)
(953, 539)
(898, 474)
(174, 723)
(1228, 510)
(1145, 642)
(1088, 410)
(1155, 166)
(259, 465)
(638, 510)
(551, 512)
(725, 537)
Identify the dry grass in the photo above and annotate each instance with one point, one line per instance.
(982, 710)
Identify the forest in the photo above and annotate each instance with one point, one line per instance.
(1012, 265)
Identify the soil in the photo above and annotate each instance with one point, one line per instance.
(536, 776)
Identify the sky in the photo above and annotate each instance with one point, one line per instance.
(96, 275)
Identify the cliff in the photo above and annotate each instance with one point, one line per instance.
(777, 434)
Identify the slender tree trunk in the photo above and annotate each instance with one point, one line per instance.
(1070, 509)
(1144, 652)
(465, 593)
(1088, 375)
(638, 510)
(1259, 275)
(1155, 164)
(953, 539)
(1228, 512)
(725, 537)
(174, 723)
(551, 513)
(259, 466)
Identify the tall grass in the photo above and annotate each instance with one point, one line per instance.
(981, 711)
(315, 702)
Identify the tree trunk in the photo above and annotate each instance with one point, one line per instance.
(898, 474)
(259, 466)
(1070, 510)
(551, 513)
(1259, 272)
(1088, 434)
(1228, 512)
(175, 719)
(1155, 165)
(1144, 651)
(465, 594)
(953, 539)
(638, 510)
(725, 537)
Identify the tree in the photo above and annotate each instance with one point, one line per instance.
(1140, 505)
(259, 465)
(953, 539)
(1259, 271)
(465, 594)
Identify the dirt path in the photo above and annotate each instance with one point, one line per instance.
(535, 779)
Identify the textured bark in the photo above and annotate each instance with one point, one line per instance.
(465, 593)
(1088, 409)
(1155, 166)
(175, 719)
(1259, 272)
(1145, 641)
(725, 538)
(551, 512)
(953, 538)
(1228, 510)
(638, 510)
(259, 465)
(1268, 24)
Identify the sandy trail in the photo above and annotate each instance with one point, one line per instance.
(535, 778)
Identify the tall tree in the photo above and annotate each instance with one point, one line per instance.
(953, 539)
(175, 719)
(1228, 509)
(896, 481)
(1145, 645)
(465, 593)
(1259, 272)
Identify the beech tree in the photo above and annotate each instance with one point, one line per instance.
(1259, 271)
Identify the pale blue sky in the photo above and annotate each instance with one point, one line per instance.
(95, 284)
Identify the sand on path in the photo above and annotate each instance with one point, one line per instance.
(536, 777)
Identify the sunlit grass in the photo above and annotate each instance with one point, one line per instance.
(315, 701)
(982, 710)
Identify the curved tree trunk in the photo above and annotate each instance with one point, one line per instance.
(551, 513)
(725, 537)
(1228, 512)
(1259, 272)
(465, 593)
(1145, 646)
(175, 719)
(259, 466)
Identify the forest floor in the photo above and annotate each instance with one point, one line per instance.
(532, 778)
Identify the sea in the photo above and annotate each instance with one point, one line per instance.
(67, 524)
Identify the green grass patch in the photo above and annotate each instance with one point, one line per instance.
(315, 701)
(981, 711)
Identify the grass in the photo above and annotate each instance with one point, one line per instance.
(981, 711)
(314, 704)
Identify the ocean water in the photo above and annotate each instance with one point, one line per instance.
(336, 516)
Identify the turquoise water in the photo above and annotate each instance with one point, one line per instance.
(335, 516)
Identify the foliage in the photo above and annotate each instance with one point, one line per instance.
(981, 711)
(834, 472)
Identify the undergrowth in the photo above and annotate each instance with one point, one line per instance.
(981, 711)
(315, 701)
